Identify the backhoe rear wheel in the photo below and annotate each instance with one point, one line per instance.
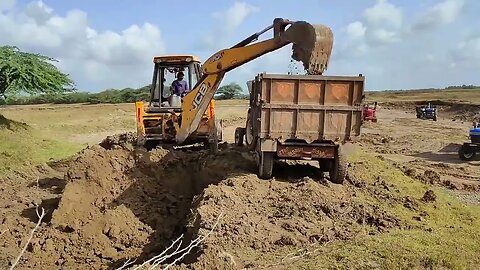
(338, 170)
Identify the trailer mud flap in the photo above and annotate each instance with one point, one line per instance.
(305, 152)
(267, 145)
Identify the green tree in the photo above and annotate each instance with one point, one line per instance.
(30, 73)
(229, 91)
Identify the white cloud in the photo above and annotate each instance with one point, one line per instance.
(467, 52)
(386, 45)
(355, 30)
(379, 25)
(226, 22)
(106, 59)
(383, 14)
(443, 13)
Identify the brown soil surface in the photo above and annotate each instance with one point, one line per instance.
(114, 201)
(123, 203)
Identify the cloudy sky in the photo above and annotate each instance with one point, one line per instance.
(396, 44)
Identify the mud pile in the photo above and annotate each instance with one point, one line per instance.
(123, 202)
(264, 221)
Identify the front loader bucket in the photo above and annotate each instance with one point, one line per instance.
(312, 45)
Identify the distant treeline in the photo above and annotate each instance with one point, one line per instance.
(108, 96)
(462, 87)
(127, 95)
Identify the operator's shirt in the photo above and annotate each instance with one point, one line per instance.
(179, 87)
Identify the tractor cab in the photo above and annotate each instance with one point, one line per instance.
(166, 69)
(369, 112)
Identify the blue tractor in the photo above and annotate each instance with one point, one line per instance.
(469, 150)
(427, 112)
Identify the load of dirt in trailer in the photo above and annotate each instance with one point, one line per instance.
(121, 203)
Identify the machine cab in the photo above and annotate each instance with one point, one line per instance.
(165, 73)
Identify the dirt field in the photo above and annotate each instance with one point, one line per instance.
(408, 201)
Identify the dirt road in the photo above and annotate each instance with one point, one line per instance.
(424, 145)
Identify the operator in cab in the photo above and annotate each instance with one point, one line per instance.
(180, 86)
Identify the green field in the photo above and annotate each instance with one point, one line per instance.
(450, 95)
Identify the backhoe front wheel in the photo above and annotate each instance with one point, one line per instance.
(212, 145)
(338, 169)
(239, 136)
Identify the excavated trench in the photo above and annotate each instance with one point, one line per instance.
(125, 198)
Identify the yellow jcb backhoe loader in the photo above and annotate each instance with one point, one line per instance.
(193, 120)
(156, 121)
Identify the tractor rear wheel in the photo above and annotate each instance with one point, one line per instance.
(466, 153)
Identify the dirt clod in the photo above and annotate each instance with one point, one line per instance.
(429, 196)
(119, 141)
(431, 177)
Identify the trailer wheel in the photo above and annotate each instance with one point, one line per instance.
(338, 170)
(466, 153)
(250, 139)
(239, 136)
(265, 165)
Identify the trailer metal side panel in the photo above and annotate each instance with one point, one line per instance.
(310, 108)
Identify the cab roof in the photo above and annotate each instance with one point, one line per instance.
(175, 58)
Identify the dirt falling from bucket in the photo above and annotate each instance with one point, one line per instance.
(295, 68)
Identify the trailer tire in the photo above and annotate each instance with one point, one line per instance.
(239, 136)
(338, 170)
(250, 139)
(265, 165)
(464, 153)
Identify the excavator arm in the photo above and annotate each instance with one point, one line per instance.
(311, 44)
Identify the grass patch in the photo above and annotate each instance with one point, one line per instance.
(470, 95)
(447, 235)
(23, 146)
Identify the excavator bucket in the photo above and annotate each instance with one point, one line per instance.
(312, 45)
